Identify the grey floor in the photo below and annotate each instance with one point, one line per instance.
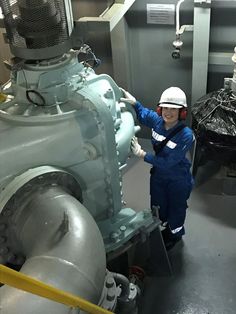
(204, 264)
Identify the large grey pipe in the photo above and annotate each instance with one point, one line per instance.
(63, 247)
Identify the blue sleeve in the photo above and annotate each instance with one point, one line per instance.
(173, 156)
(146, 116)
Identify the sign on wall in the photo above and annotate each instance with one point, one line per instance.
(160, 14)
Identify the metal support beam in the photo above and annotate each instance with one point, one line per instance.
(224, 4)
(220, 62)
(220, 58)
(120, 55)
(111, 16)
(201, 36)
(111, 26)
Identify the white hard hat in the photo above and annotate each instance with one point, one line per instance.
(173, 97)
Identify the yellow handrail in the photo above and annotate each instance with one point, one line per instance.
(21, 281)
(3, 97)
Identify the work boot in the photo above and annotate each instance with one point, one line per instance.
(169, 244)
(170, 239)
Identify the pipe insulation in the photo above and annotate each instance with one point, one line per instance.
(63, 248)
(177, 16)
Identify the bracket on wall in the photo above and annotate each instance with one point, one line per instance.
(202, 3)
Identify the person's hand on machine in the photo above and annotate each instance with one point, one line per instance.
(128, 98)
(136, 148)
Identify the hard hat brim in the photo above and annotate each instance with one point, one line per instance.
(172, 105)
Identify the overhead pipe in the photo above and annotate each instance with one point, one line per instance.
(178, 43)
(177, 16)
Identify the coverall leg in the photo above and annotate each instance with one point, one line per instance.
(178, 192)
(159, 196)
(171, 196)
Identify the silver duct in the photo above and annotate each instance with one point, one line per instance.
(63, 248)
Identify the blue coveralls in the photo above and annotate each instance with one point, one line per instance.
(171, 180)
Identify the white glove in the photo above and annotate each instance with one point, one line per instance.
(128, 97)
(136, 148)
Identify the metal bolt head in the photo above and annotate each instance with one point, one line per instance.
(109, 282)
(123, 229)
(110, 296)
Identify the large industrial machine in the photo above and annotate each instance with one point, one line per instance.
(64, 139)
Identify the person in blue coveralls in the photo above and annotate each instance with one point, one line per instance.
(171, 181)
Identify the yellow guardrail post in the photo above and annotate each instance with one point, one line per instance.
(3, 97)
(21, 281)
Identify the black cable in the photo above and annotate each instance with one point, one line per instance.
(25, 78)
(87, 51)
(96, 62)
(34, 92)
